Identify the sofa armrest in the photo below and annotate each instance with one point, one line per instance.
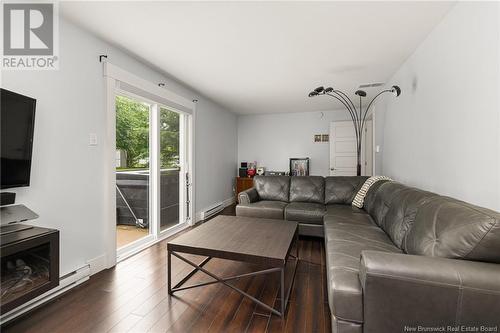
(248, 196)
(403, 291)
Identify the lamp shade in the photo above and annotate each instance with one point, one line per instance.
(319, 90)
(361, 93)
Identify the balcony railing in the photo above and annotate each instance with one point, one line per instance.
(134, 186)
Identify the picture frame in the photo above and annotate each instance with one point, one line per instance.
(299, 166)
(317, 138)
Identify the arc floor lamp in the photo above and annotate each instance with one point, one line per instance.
(358, 116)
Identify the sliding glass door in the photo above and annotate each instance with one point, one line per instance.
(151, 171)
(132, 170)
(170, 168)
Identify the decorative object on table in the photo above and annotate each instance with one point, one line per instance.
(317, 137)
(250, 172)
(261, 171)
(299, 166)
(275, 173)
(358, 116)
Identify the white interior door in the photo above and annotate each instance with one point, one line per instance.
(367, 150)
(343, 149)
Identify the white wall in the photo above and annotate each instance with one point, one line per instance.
(216, 155)
(442, 133)
(67, 187)
(271, 139)
(498, 105)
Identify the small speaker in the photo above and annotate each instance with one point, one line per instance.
(7, 198)
(243, 172)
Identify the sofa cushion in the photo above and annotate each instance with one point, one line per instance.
(401, 213)
(382, 200)
(449, 228)
(344, 240)
(307, 189)
(342, 190)
(307, 212)
(347, 213)
(262, 209)
(275, 188)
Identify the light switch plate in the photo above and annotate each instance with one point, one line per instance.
(92, 139)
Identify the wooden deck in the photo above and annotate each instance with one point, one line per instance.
(132, 297)
(126, 234)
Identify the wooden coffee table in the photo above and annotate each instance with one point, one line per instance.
(259, 241)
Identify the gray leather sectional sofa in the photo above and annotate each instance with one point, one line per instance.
(303, 199)
(409, 260)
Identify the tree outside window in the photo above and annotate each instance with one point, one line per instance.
(169, 139)
(132, 134)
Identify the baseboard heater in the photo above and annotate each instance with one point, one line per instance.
(66, 282)
(212, 211)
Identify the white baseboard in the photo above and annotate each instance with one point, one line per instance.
(227, 202)
(197, 217)
(97, 264)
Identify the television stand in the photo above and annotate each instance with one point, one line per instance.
(7, 229)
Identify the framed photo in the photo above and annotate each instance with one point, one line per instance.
(325, 138)
(299, 166)
(317, 138)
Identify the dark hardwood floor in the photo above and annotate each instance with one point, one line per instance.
(132, 297)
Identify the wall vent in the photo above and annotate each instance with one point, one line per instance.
(371, 85)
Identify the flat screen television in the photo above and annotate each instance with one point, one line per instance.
(17, 124)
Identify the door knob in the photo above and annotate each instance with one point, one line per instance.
(332, 169)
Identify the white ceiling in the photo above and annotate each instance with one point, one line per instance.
(265, 57)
